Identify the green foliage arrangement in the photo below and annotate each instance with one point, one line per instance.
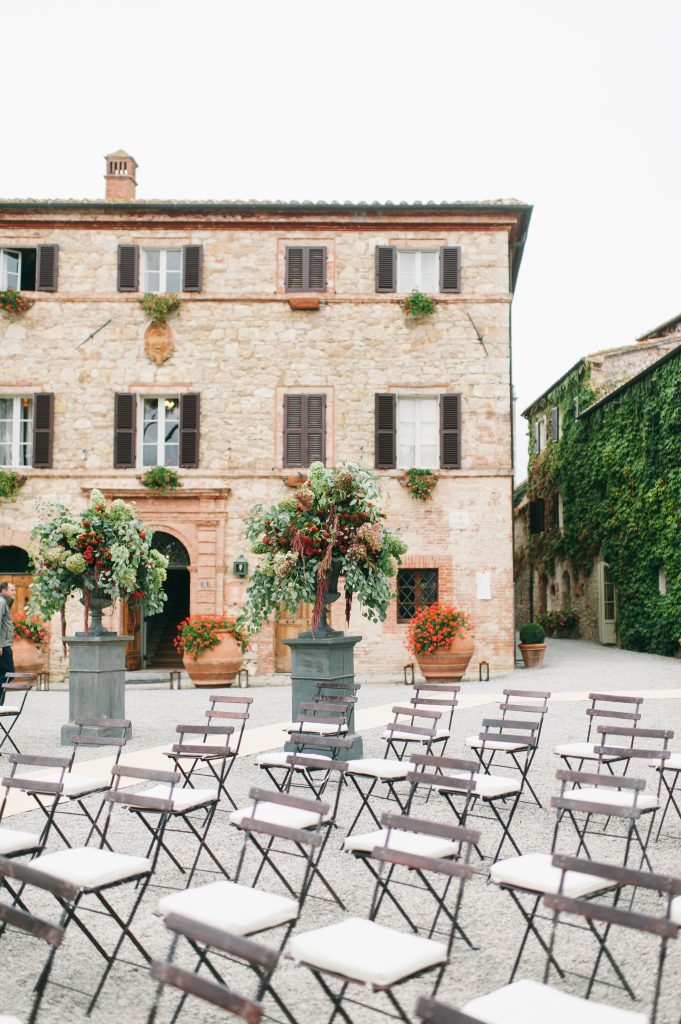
(200, 633)
(532, 633)
(13, 304)
(420, 483)
(159, 308)
(418, 304)
(31, 627)
(10, 482)
(333, 521)
(104, 551)
(619, 474)
(434, 627)
(559, 622)
(161, 479)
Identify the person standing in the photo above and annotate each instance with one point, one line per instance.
(7, 595)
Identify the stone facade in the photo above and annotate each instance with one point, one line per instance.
(241, 346)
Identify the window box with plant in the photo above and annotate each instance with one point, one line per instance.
(212, 648)
(160, 308)
(420, 483)
(417, 304)
(31, 637)
(161, 479)
(13, 304)
(532, 646)
(560, 623)
(440, 638)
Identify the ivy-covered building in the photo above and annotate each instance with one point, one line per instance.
(598, 521)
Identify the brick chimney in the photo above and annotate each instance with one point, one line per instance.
(121, 183)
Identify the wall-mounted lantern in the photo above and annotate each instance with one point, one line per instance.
(240, 567)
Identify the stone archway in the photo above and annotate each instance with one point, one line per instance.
(160, 630)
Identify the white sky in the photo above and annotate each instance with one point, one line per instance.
(573, 107)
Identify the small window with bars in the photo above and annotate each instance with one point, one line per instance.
(416, 589)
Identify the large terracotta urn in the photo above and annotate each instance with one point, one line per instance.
(216, 667)
(448, 663)
(27, 656)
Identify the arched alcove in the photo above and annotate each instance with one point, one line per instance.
(160, 630)
(565, 592)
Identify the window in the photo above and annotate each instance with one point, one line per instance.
(416, 588)
(417, 433)
(161, 431)
(162, 270)
(16, 431)
(557, 510)
(555, 423)
(537, 516)
(417, 268)
(306, 268)
(304, 429)
(17, 269)
(540, 435)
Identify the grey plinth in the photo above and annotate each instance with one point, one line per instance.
(327, 657)
(96, 680)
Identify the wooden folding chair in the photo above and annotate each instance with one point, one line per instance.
(207, 991)
(45, 793)
(12, 917)
(11, 713)
(279, 768)
(231, 710)
(204, 746)
(607, 707)
(415, 724)
(444, 696)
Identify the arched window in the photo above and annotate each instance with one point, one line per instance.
(14, 561)
(174, 549)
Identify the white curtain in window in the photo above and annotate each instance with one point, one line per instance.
(417, 433)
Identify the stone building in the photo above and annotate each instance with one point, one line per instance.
(553, 517)
(290, 345)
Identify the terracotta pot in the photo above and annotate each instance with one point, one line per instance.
(533, 654)
(450, 663)
(28, 657)
(217, 667)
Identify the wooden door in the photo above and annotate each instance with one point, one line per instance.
(607, 605)
(22, 581)
(288, 626)
(131, 625)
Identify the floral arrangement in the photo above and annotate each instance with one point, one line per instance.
(105, 551)
(13, 303)
(333, 522)
(560, 621)
(10, 482)
(420, 483)
(159, 308)
(161, 479)
(31, 627)
(434, 627)
(418, 304)
(199, 633)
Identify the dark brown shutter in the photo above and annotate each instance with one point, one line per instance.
(537, 516)
(293, 430)
(190, 410)
(294, 268)
(386, 268)
(450, 268)
(125, 422)
(385, 423)
(450, 431)
(315, 429)
(316, 269)
(192, 268)
(46, 268)
(43, 421)
(128, 268)
(554, 423)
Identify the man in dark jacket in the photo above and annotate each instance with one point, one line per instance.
(7, 594)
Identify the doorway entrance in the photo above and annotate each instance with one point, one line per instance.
(159, 631)
(15, 568)
(607, 605)
(288, 626)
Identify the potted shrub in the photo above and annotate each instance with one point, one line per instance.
(31, 636)
(439, 637)
(532, 646)
(560, 623)
(161, 479)
(212, 648)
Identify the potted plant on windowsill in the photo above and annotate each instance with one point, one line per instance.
(13, 304)
(420, 483)
(440, 638)
(532, 646)
(161, 479)
(31, 636)
(417, 304)
(10, 482)
(212, 648)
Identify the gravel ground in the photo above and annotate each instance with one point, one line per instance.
(488, 914)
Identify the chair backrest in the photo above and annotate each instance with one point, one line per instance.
(231, 708)
(39, 929)
(612, 706)
(526, 702)
(324, 713)
(312, 761)
(514, 731)
(426, 730)
(430, 1011)
(444, 774)
(83, 738)
(572, 801)
(124, 775)
(213, 992)
(219, 736)
(328, 690)
(437, 695)
(609, 747)
(30, 785)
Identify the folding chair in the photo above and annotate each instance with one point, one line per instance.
(536, 1003)
(208, 746)
(404, 730)
(279, 761)
(363, 953)
(532, 702)
(207, 991)
(11, 713)
(669, 769)
(603, 706)
(323, 718)
(75, 874)
(16, 843)
(14, 918)
(438, 695)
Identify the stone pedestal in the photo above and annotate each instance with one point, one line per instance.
(96, 680)
(328, 657)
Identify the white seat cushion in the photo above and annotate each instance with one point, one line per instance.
(487, 787)
(12, 841)
(529, 1002)
(77, 784)
(673, 763)
(278, 759)
(366, 952)
(91, 868)
(9, 709)
(405, 842)
(278, 814)
(582, 751)
(407, 737)
(476, 743)
(534, 871)
(380, 768)
(615, 797)
(231, 907)
(675, 910)
(319, 730)
(183, 799)
(9, 1020)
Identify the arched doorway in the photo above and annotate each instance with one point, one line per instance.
(566, 592)
(15, 567)
(160, 630)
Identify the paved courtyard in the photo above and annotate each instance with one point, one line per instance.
(572, 669)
